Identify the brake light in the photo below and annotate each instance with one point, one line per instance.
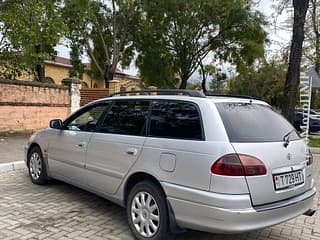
(238, 165)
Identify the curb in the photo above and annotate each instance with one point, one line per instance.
(12, 166)
(315, 150)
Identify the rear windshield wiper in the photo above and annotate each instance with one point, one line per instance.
(286, 137)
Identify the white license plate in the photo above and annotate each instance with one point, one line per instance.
(287, 180)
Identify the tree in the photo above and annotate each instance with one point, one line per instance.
(265, 82)
(311, 50)
(32, 28)
(158, 72)
(189, 31)
(75, 15)
(293, 73)
(104, 29)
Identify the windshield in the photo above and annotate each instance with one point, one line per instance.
(245, 122)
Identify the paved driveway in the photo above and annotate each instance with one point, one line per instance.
(60, 211)
(11, 148)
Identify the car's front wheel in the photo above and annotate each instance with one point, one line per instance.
(147, 212)
(36, 166)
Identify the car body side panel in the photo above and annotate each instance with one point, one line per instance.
(193, 160)
(67, 153)
(109, 158)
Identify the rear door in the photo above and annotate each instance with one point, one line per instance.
(117, 144)
(175, 150)
(257, 130)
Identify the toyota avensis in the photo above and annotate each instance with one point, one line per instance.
(179, 159)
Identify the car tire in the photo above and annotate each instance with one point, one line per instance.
(147, 212)
(36, 166)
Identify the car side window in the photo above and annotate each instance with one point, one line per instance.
(126, 117)
(87, 121)
(174, 119)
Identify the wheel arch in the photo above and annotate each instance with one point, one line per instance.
(32, 145)
(143, 176)
(136, 178)
(45, 159)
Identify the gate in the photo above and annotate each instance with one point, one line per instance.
(90, 94)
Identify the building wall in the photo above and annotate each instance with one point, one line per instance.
(27, 106)
(57, 73)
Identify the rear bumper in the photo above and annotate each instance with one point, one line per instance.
(226, 213)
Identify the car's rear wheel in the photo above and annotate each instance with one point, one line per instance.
(147, 212)
(36, 166)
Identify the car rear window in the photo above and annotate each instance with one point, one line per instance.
(246, 122)
(175, 119)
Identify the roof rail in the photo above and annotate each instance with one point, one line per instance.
(186, 92)
(228, 95)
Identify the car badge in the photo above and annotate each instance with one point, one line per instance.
(289, 156)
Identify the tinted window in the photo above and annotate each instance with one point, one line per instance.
(254, 123)
(126, 117)
(87, 120)
(174, 119)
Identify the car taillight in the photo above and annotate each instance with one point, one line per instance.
(238, 165)
(309, 158)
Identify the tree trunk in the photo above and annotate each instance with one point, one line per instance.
(108, 76)
(293, 74)
(204, 78)
(184, 80)
(40, 71)
(203, 84)
(39, 67)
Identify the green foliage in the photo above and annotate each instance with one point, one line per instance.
(75, 16)
(194, 85)
(75, 59)
(104, 30)
(11, 66)
(185, 32)
(158, 72)
(32, 28)
(217, 82)
(311, 49)
(265, 83)
(314, 142)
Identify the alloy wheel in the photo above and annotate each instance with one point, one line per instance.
(35, 165)
(145, 214)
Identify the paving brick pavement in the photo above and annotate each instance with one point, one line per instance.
(59, 211)
(12, 148)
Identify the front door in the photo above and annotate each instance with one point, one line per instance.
(67, 148)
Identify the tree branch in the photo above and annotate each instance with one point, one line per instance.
(90, 52)
(105, 48)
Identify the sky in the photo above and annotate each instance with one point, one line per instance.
(279, 37)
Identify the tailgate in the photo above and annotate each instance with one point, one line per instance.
(287, 172)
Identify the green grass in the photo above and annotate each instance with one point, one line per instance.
(314, 142)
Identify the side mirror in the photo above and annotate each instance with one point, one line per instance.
(56, 124)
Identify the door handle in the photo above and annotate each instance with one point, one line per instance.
(132, 151)
(81, 145)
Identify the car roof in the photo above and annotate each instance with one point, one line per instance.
(226, 99)
(214, 99)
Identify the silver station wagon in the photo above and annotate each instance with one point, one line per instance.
(179, 159)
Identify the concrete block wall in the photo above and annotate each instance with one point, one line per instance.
(28, 106)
